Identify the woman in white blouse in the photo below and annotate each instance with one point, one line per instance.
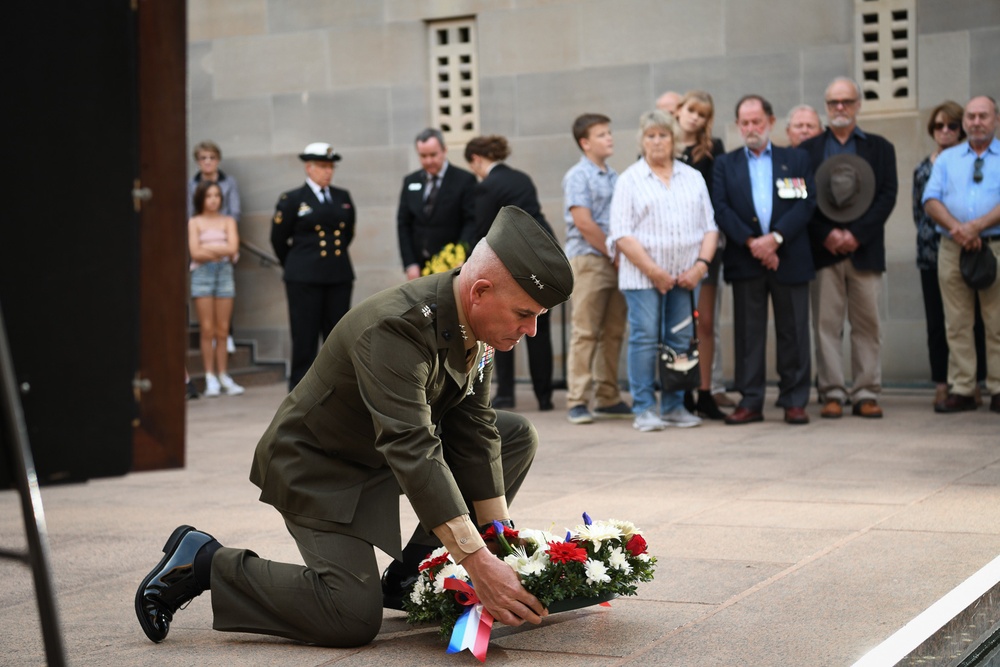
(663, 227)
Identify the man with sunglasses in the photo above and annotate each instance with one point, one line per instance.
(963, 198)
(850, 260)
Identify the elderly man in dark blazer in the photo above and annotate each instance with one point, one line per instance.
(849, 253)
(763, 198)
(436, 206)
(397, 402)
(312, 227)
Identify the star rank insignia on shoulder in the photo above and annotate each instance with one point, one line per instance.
(425, 310)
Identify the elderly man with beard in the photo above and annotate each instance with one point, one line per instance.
(963, 198)
(850, 260)
(763, 197)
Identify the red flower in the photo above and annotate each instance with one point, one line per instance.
(636, 545)
(566, 552)
(434, 562)
(509, 533)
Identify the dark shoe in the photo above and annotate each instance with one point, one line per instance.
(995, 403)
(832, 409)
(579, 414)
(958, 403)
(545, 405)
(796, 416)
(396, 587)
(619, 410)
(503, 402)
(867, 407)
(706, 407)
(744, 416)
(192, 391)
(172, 583)
(689, 403)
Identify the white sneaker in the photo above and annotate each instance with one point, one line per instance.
(211, 385)
(680, 417)
(230, 387)
(649, 421)
(230, 345)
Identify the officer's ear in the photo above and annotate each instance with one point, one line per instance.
(480, 288)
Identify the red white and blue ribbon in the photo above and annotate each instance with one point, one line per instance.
(472, 629)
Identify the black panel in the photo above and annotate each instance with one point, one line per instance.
(69, 247)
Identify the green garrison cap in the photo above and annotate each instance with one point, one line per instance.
(532, 256)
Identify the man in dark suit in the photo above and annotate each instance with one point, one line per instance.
(850, 260)
(763, 197)
(313, 226)
(435, 206)
(397, 402)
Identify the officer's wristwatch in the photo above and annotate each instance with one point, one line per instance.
(778, 237)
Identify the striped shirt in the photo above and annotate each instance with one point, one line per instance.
(669, 222)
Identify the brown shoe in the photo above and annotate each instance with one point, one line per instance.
(796, 416)
(995, 403)
(832, 409)
(867, 407)
(957, 403)
(744, 416)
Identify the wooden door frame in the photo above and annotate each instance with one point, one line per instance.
(161, 70)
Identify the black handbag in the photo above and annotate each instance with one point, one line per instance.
(679, 369)
(979, 267)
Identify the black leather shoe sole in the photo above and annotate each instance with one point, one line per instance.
(152, 608)
(395, 589)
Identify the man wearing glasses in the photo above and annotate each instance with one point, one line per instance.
(963, 198)
(850, 260)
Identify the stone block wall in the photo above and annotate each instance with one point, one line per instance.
(266, 77)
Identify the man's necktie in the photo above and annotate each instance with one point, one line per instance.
(431, 196)
(325, 196)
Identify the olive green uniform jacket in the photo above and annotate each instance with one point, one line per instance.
(387, 407)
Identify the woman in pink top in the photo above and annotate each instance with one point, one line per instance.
(214, 244)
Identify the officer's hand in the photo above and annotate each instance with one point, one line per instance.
(500, 590)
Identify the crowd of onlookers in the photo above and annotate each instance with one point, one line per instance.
(797, 230)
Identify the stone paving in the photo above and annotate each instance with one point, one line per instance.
(777, 545)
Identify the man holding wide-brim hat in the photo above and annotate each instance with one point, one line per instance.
(855, 193)
(312, 227)
(398, 401)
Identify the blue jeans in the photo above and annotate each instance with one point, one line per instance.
(651, 319)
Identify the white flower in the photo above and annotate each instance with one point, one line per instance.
(643, 557)
(627, 528)
(597, 532)
(449, 570)
(619, 561)
(524, 564)
(597, 572)
(540, 538)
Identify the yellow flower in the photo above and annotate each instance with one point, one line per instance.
(451, 257)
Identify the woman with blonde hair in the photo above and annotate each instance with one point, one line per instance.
(695, 113)
(663, 227)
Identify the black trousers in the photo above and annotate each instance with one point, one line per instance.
(791, 327)
(313, 310)
(539, 363)
(937, 340)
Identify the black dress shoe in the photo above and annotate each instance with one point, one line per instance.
(396, 587)
(503, 402)
(172, 583)
(545, 405)
(707, 407)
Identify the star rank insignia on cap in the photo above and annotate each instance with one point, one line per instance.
(538, 283)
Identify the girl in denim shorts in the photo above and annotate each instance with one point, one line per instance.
(214, 245)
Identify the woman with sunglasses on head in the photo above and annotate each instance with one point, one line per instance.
(945, 128)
